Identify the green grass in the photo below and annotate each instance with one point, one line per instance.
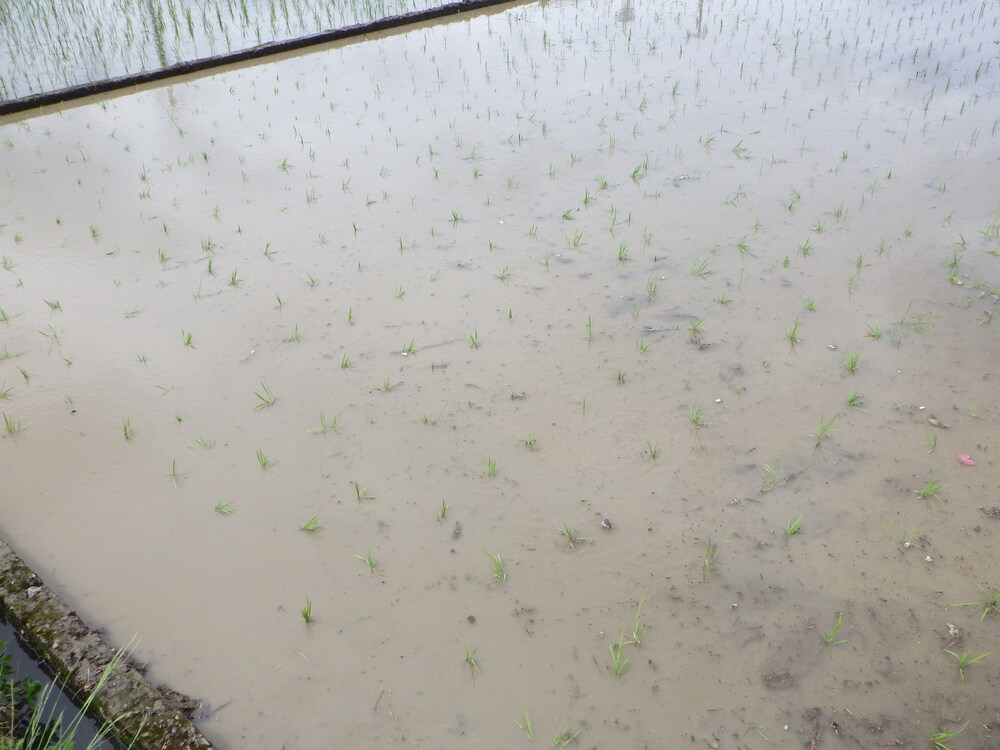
(127, 430)
(990, 603)
(265, 397)
(638, 627)
(965, 661)
(931, 442)
(654, 449)
(939, 740)
(326, 426)
(188, 339)
(769, 478)
(696, 330)
(264, 461)
(621, 375)
(829, 637)
(174, 477)
(470, 659)
(874, 330)
(855, 399)
(700, 268)
(474, 339)
(307, 611)
(491, 467)
(792, 334)
(345, 362)
(565, 736)
(525, 725)
(386, 385)
(794, 526)
(442, 513)
(696, 414)
(810, 305)
(618, 659)
(708, 559)
(850, 363)
(312, 524)
(223, 508)
(571, 537)
(363, 494)
(410, 348)
(499, 571)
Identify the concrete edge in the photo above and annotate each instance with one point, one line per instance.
(264, 50)
(145, 717)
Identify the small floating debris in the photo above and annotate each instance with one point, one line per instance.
(965, 460)
(606, 523)
(935, 422)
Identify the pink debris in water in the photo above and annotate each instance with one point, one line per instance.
(966, 460)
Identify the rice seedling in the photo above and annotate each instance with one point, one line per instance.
(654, 449)
(13, 427)
(638, 627)
(700, 268)
(850, 363)
(223, 508)
(696, 415)
(651, 283)
(470, 659)
(54, 305)
(708, 560)
(295, 337)
(855, 399)
(618, 659)
(491, 467)
(410, 348)
(965, 661)
(565, 737)
(345, 362)
(769, 478)
(400, 292)
(793, 526)
(805, 248)
(369, 560)
(525, 725)
(363, 494)
(792, 334)
(696, 330)
(5, 391)
(623, 252)
(931, 489)
(571, 537)
(931, 442)
(939, 740)
(265, 397)
(127, 430)
(174, 477)
(723, 299)
(234, 279)
(829, 637)
(990, 603)
(642, 346)
(188, 339)
(312, 524)
(810, 305)
(311, 280)
(325, 426)
(474, 339)
(874, 331)
(499, 571)
(529, 441)
(265, 462)
(307, 612)
(590, 328)
(621, 374)
(823, 431)
(442, 513)
(4, 316)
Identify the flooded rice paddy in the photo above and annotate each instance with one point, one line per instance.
(623, 375)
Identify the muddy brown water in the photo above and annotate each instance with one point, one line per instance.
(476, 182)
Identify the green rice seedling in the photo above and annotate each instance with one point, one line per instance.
(829, 637)
(326, 426)
(723, 299)
(638, 627)
(312, 524)
(428, 419)
(565, 737)
(205, 444)
(794, 526)
(474, 339)
(850, 363)
(525, 725)
(491, 467)
(823, 431)
(590, 328)
(965, 661)
(134, 312)
(7, 264)
(931, 442)
(442, 513)
(931, 489)
(350, 316)
(4, 316)
(990, 603)
(141, 359)
(571, 538)
(499, 571)
(708, 560)
(700, 268)
(311, 280)
(410, 348)
(188, 339)
(623, 252)
(583, 403)
(792, 334)
(621, 374)
(939, 740)
(307, 612)
(54, 305)
(264, 461)
(5, 391)
(369, 560)
(363, 494)
(234, 278)
(618, 659)
(696, 330)
(295, 337)
(174, 477)
(530, 441)
(223, 508)
(855, 399)
(810, 305)
(470, 659)
(265, 396)
(654, 449)
(769, 478)
(345, 362)
(642, 346)
(874, 331)
(127, 430)
(400, 292)
(12, 426)
(651, 284)
(696, 414)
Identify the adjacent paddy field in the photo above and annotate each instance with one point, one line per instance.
(613, 375)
